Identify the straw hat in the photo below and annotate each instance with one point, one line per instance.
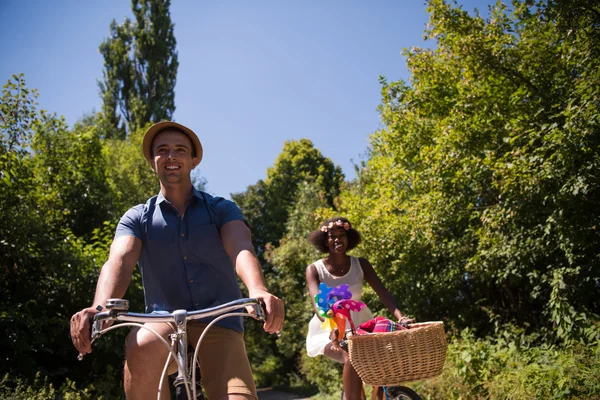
(161, 126)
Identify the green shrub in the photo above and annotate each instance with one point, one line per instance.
(17, 388)
(41, 389)
(323, 373)
(515, 366)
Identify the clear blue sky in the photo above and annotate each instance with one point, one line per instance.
(252, 74)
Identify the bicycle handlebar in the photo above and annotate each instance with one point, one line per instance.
(117, 311)
(125, 316)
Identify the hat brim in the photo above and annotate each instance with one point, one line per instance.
(164, 125)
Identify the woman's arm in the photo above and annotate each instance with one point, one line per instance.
(312, 281)
(384, 295)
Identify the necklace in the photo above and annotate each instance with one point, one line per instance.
(338, 271)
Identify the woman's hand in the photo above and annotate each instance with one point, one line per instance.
(335, 343)
(404, 321)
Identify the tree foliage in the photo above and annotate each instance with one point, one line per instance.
(62, 191)
(57, 220)
(267, 204)
(281, 212)
(478, 204)
(480, 197)
(140, 69)
(17, 114)
(43, 265)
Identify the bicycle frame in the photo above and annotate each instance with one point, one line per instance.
(116, 311)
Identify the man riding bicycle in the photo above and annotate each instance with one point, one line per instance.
(189, 246)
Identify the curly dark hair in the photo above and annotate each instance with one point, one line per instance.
(319, 237)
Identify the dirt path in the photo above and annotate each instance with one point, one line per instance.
(269, 394)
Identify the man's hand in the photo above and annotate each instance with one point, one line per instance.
(274, 309)
(80, 330)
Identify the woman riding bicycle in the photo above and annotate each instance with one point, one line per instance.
(335, 237)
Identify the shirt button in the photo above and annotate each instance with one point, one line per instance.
(183, 235)
(185, 257)
(191, 281)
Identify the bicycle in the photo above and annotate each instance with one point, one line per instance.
(390, 392)
(391, 358)
(185, 382)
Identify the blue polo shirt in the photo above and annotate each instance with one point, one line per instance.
(183, 262)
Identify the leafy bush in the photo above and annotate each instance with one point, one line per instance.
(323, 373)
(15, 388)
(515, 366)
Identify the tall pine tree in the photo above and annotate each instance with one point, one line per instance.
(140, 69)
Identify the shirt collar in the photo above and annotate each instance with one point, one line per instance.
(160, 198)
(195, 193)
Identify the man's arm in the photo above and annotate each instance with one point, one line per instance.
(112, 283)
(116, 273)
(237, 241)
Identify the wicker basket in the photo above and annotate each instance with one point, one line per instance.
(393, 358)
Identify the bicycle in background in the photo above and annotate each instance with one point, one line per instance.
(382, 392)
(386, 360)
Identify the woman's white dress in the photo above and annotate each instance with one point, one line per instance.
(318, 337)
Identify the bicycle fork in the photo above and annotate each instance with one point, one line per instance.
(181, 338)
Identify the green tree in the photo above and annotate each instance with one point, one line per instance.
(129, 176)
(56, 223)
(290, 259)
(18, 212)
(45, 269)
(70, 175)
(479, 200)
(275, 206)
(267, 204)
(140, 69)
(17, 114)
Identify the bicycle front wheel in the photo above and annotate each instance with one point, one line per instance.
(402, 393)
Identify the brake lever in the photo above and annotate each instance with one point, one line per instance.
(260, 310)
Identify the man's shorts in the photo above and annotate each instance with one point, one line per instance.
(224, 363)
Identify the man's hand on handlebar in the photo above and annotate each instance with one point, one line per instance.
(81, 329)
(274, 309)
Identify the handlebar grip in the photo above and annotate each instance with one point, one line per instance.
(90, 323)
(261, 310)
(344, 344)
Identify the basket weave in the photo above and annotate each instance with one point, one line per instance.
(393, 358)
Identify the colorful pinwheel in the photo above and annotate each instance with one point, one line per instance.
(334, 304)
